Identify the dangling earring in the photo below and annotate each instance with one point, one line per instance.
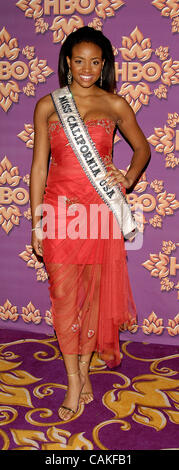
(69, 77)
(101, 78)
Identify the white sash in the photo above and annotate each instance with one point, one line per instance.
(90, 160)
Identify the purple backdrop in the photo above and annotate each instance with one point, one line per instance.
(144, 35)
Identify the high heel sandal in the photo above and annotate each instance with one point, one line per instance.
(66, 407)
(88, 395)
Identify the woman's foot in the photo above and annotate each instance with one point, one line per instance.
(86, 395)
(70, 404)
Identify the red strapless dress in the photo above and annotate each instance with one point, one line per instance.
(88, 279)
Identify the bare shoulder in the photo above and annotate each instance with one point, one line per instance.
(44, 108)
(119, 107)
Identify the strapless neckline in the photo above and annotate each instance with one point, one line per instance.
(87, 121)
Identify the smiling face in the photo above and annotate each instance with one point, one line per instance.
(86, 64)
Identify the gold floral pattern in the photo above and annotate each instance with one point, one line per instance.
(168, 247)
(158, 198)
(36, 70)
(29, 52)
(175, 25)
(136, 46)
(30, 313)
(163, 265)
(62, 26)
(41, 26)
(27, 135)
(12, 195)
(150, 399)
(166, 284)
(173, 326)
(161, 92)
(8, 311)
(162, 52)
(152, 324)
(164, 140)
(137, 95)
(96, 24)
(156, 221)
(29, 89)
(168, 8)
(173, 119)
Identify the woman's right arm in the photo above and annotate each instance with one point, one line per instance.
(39, 166)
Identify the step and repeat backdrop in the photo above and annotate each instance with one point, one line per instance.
(144, 36)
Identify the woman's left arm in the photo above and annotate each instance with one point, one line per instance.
(129, 127)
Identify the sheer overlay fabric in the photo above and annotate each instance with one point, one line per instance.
(85, 254)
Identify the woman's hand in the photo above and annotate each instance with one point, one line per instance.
(37, 243)
(115, 176)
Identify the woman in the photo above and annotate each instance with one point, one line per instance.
(88, 279)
